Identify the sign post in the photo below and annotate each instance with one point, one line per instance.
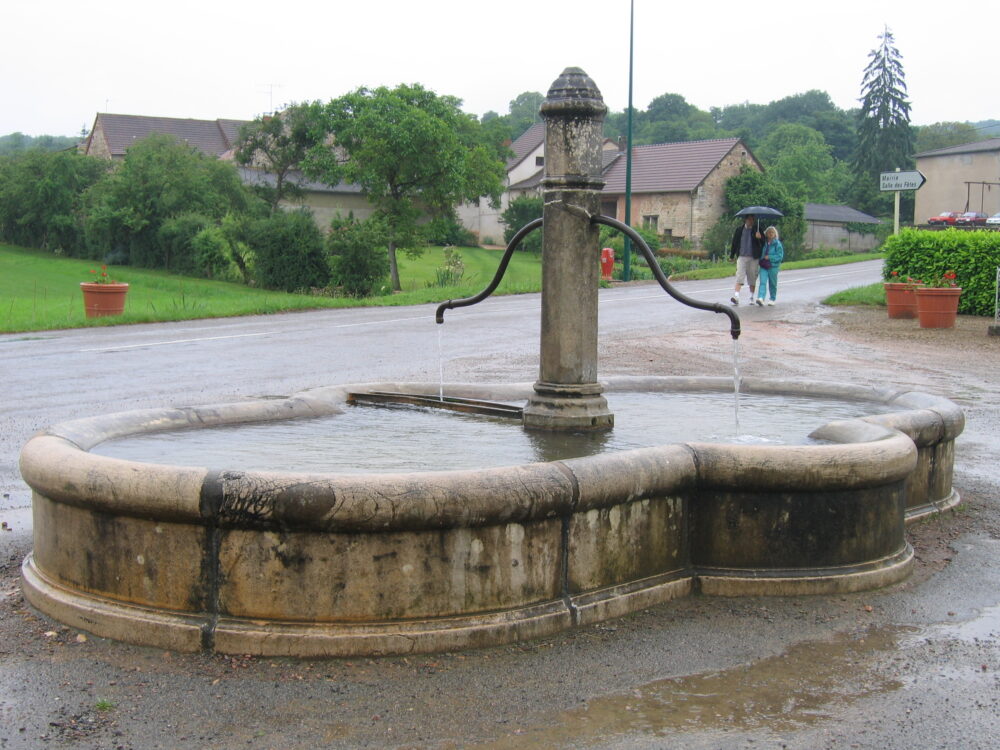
(896, 181)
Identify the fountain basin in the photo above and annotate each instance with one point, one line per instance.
(314, 564)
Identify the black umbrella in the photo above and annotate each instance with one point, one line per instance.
(759, 211)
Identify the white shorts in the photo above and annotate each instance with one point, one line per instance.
(747, 269)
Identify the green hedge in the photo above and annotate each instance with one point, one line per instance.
(973, 256)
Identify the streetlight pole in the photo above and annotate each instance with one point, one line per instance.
(627, 260)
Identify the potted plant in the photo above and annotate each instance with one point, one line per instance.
(102, 295)
(937, 301)
(900, 299)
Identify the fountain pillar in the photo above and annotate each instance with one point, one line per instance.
(567, 395)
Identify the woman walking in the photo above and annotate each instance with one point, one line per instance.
(770, 261)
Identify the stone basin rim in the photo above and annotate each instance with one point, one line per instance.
(875, 447)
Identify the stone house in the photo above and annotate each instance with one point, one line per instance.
(677, 188)
(831, 226)
(112, 135)
(959, 178)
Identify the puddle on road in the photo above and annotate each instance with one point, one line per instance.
(803, 686)
(985, 626)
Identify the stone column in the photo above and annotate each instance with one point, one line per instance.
(567, 394)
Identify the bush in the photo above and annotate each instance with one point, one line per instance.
(616, 240)
(452, 272)
(175, 241)
(288, 251)
(41, 199)
(212, 253)
(359, 261)
(521, 211)
(974, 256)
(446, 230)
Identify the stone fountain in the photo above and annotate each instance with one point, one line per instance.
(322, 564)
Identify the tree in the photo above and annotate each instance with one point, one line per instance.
(945, 134)
(16, 143)
(358, 259)
(885, 138)
(523, 210)
(288, 252)
(524, 111)
(277, 144)
(753, 188)
(799, 159)
(412, 153)
(159, 179)
(41, 198)
(814, 109)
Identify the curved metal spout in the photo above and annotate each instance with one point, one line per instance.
(501, 270)
(734, 319)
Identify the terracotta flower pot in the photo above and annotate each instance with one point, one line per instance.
(100, 300)
(900, 299)
(937, 307)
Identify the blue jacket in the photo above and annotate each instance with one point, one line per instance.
(774, 250)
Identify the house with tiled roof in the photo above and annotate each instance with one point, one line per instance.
(112, 134)
(959, 178)
(677, 188)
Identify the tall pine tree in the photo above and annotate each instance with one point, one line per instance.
(885, 138)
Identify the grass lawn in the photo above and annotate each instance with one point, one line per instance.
(722, 271)
(40, 291)
(872, 295)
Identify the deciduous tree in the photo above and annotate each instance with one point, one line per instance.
(277, 144)
(412, 153)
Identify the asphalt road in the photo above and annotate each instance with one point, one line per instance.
(913, 666)
(54, 376)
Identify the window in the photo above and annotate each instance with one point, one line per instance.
(539, 161)
(651, 223)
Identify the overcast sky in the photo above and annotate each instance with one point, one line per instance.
(62, 62)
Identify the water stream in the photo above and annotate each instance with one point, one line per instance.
(737, 379)
(440, 363)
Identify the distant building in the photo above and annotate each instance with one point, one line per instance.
(112, 135)
(837, 227)
(678, 189)
(959, 178)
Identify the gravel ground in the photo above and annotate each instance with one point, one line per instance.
(915, 665)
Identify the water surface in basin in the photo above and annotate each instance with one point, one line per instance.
(374, 439)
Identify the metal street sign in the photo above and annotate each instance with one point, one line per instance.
(890, 181)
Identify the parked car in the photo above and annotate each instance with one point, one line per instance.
(971, 218)
(947, 217)
(994, 220)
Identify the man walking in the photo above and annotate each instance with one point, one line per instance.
(745, 248)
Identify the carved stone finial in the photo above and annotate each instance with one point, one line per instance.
(574, 92)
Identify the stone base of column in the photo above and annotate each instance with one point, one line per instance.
(568, 408)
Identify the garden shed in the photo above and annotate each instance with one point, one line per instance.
(839, 227)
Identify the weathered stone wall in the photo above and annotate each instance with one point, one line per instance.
(821, 234)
